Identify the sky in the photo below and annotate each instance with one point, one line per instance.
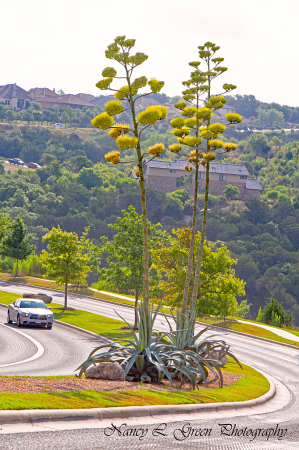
(61, 43)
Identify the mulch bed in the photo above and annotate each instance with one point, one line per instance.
(48, 385)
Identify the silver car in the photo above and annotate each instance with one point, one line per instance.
(29, 312)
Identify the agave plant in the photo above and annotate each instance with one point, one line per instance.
(143, 358)
(151, 356)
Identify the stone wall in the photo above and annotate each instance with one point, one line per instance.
(164, 184)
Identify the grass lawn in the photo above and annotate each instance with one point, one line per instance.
(52, 285)
(251, 385)
(101, 325)
(232, 324)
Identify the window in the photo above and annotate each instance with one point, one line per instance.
(255, 195)
(222, 177)
(201, 176)
(243, 177)
(173, 171)
(7, 102)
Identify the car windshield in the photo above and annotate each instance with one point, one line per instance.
(30, 304)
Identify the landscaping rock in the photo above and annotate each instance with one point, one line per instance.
(46, 298)
(106, 371)
(221, 362)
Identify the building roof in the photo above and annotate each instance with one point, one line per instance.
(6, 91)
(65, 99)
(253, 184)
(42, 92)
(179, 164)
(100, 101)
(226, 106)
(87, 97)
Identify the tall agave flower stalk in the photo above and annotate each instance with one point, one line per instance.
(126, 137)
(191, 132)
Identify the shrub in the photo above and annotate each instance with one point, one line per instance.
(275, 314)
(31, 266)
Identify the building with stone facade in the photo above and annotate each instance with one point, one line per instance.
(169, 176)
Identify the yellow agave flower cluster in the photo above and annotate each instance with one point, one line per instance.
(156, 149)
(152, 114)
(182, 126)
(113, 157)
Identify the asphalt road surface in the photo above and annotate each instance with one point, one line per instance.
(281, 362)
(42, 352)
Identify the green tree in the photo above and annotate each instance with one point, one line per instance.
(79, 162)
(218, 284)
(27, 116)
(276, 142)
(90, 250)
(259, 143)
(16, 242)
(90, 178)
(38, 116)
(275, 314)
(125, 254)
(272, 116)
(64, 259)
(9, 115)
(65, 118)
(5, 222)
(231, 191)
(127, 137)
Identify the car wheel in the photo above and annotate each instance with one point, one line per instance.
(19, 322)
(49, 327)
(8, 318)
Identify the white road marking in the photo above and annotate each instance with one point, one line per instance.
(38, 354)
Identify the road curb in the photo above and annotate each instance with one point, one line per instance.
(223, 330)
(129, 412)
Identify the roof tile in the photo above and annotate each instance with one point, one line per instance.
(253, 184)
(179, 164)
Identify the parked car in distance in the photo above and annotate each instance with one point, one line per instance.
(32, 165)
(57, 125)
(16, 161)
(29, 311)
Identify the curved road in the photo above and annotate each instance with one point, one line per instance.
(42, 352)
(279, 361)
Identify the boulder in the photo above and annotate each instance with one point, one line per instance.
(106, 371)
(221, 362)
(46, 298)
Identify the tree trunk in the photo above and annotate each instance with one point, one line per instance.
(65, 295)
(17, 269)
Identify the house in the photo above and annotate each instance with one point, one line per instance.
(223, 111)
(87, 97)
(15, 97)
(169, 176)
(62, 102)
(101, 101)
(140, 104)
(42, 92)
